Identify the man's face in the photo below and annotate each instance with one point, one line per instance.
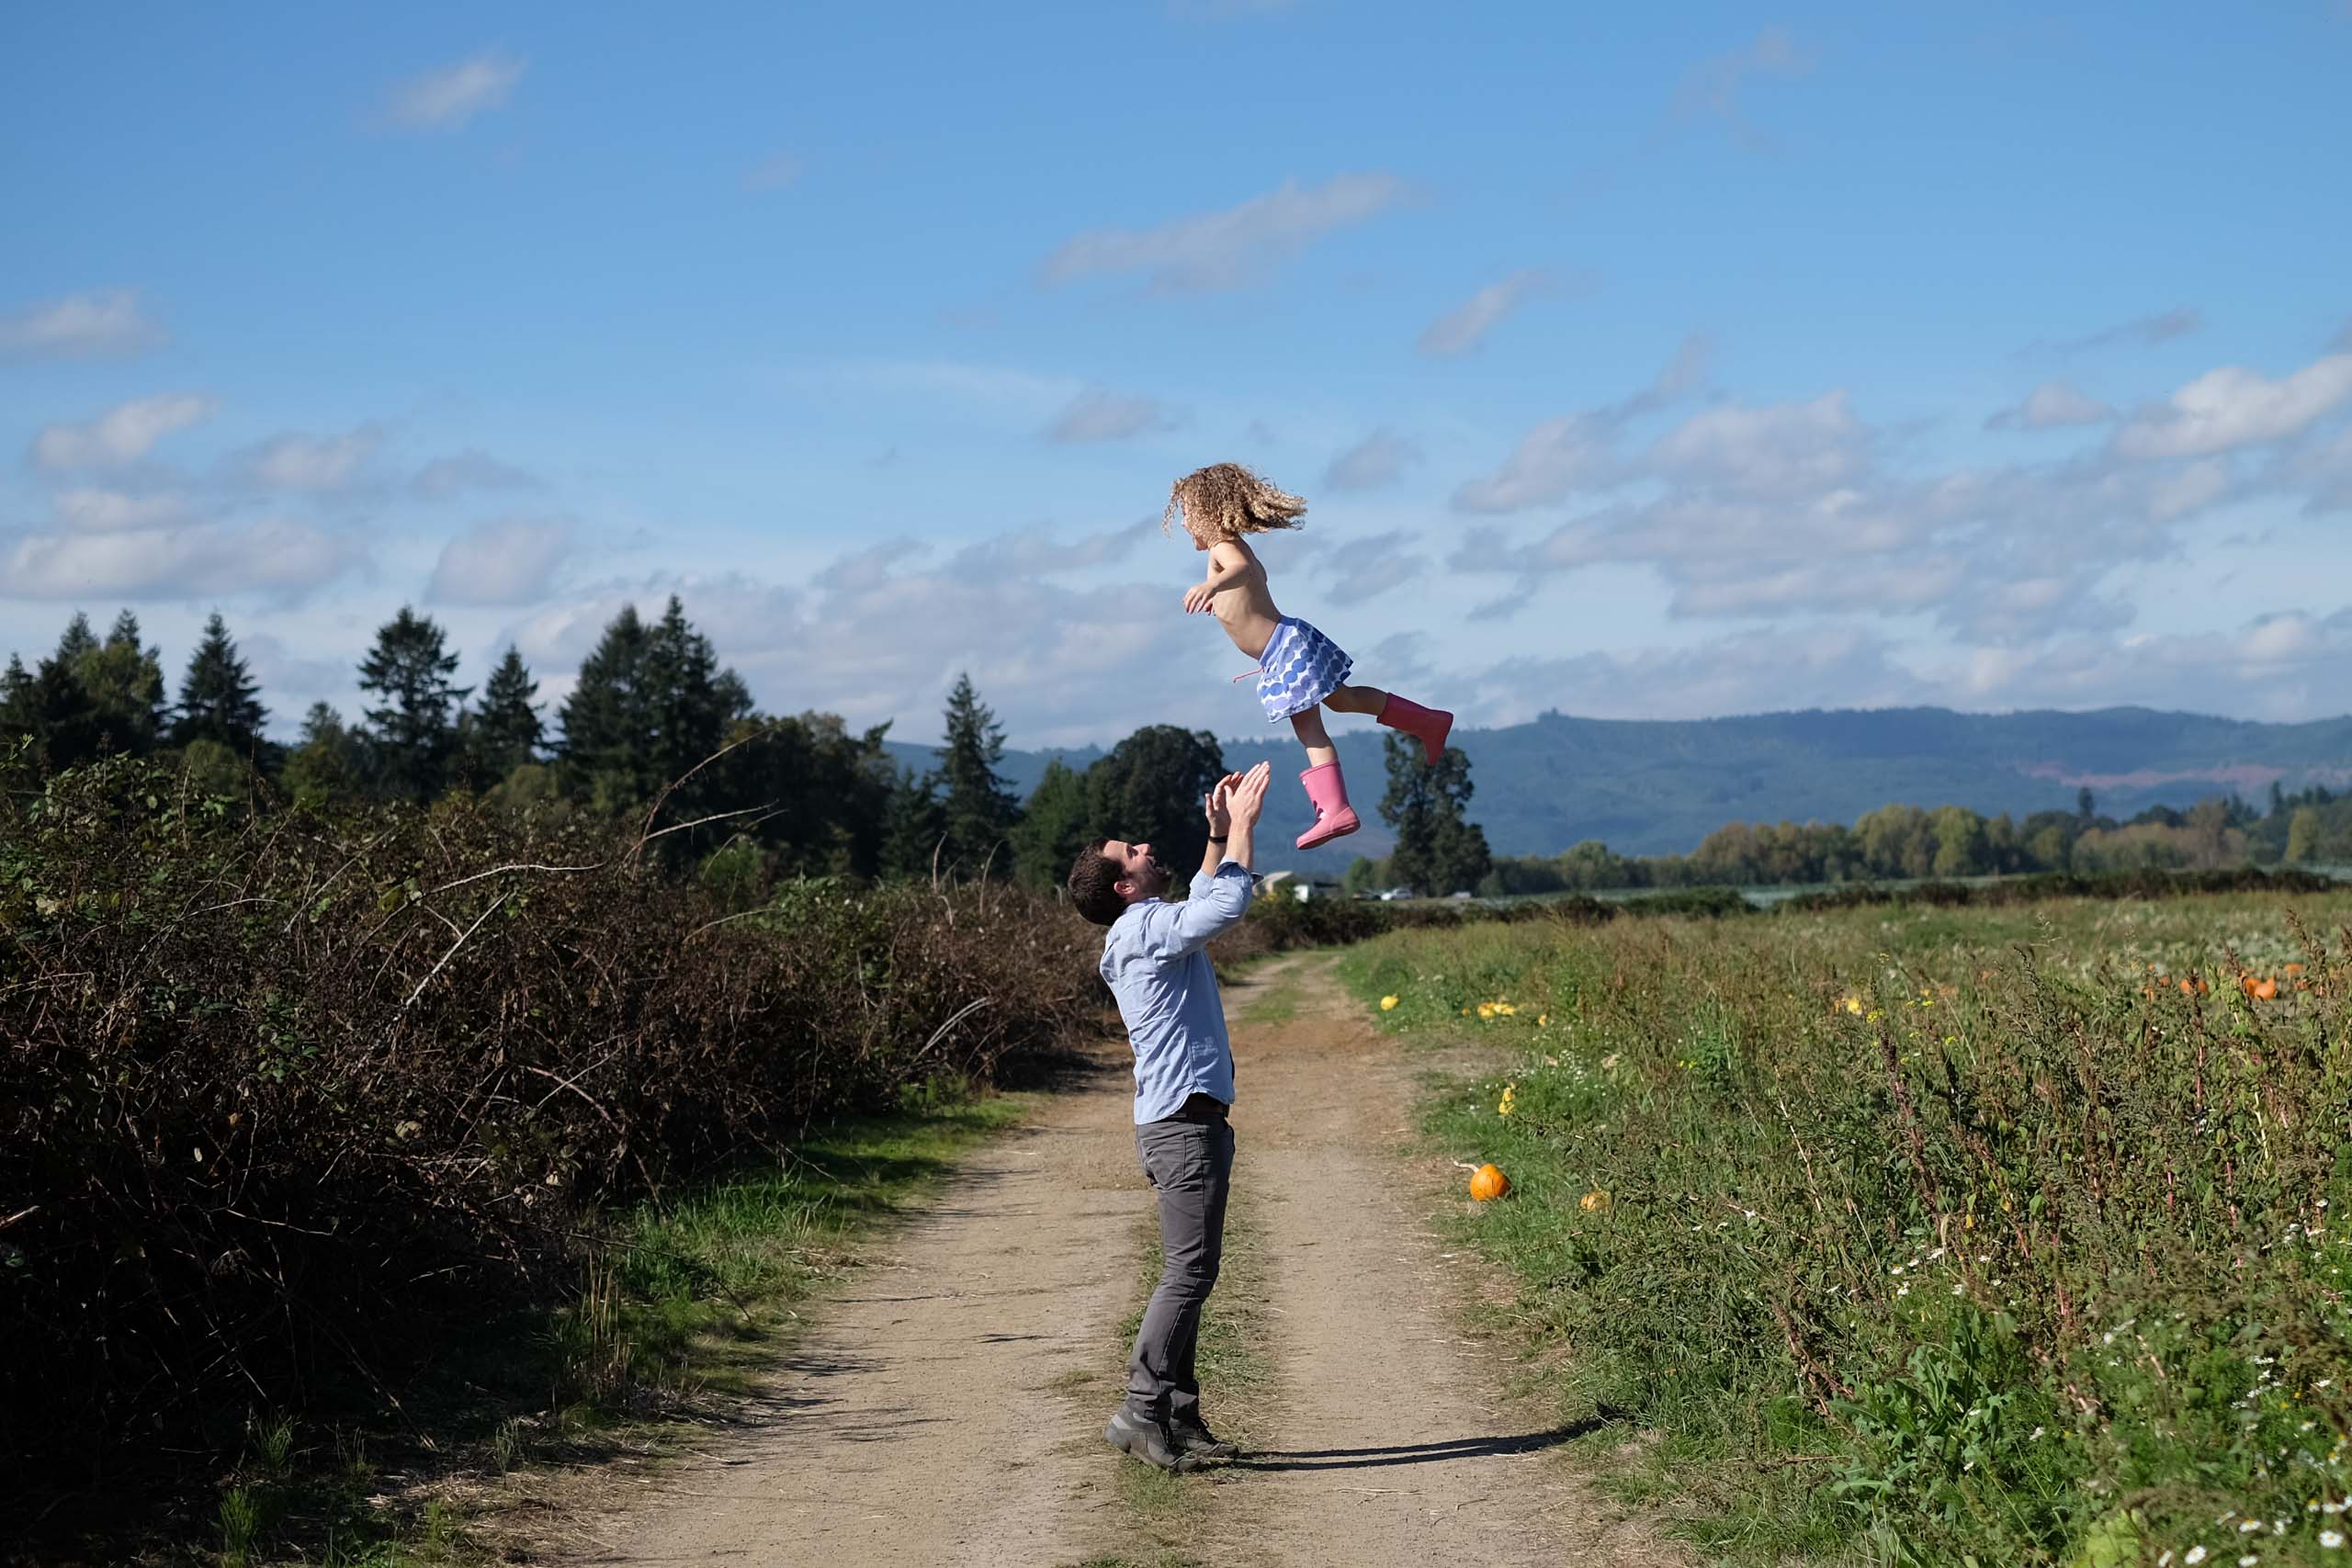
(1136, 866)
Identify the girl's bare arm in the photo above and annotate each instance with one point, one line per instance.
(1228, 565)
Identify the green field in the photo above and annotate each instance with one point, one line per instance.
(1923, 1235)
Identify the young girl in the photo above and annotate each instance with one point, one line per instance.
(1300, 671)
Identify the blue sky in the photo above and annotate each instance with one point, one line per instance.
(1683, 361)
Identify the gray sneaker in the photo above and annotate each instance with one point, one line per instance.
(1142, 1437)
(1194, 1437)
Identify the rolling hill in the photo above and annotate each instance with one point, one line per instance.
(1660, 787)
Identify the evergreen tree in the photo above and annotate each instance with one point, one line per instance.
(651, 702)
(914, 828)
(218, 700)
(2085, 805)
(19, 711)
(1438, 850)
(55, 708)
(412, 730)
(327, 765)
(504, 731)
(980, 812)
(124, 684)
(691, 701)
(1053, 827)
(606, 731)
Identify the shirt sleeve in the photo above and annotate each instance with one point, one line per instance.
(1215, 907)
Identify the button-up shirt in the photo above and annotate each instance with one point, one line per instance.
(1154, 963)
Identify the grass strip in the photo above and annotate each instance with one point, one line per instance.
(1925, 1235)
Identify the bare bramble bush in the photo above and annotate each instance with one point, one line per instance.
(281, 1094)
(2003, 1235)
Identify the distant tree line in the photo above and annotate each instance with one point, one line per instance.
(1899, 842)
(655, 721)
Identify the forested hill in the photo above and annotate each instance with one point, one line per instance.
(1657, 787)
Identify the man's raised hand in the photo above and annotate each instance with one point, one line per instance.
(1247, 797)
(1216, 805)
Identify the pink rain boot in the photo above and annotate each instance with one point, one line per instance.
(1334, 818)
(1428, 726)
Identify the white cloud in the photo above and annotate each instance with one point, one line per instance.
(276, 559)
(102, 324)
(1712, 88)
(507, 561)
(1466, 325)
(122, 434)
(470, 469)
(2148, 331)
(775, 172)
(2191, 489)
(1557, 459)
(2049, 406)
(100, 511)
(447, 98)
(1096, 414)
(1375, 563)
(1379, 458)
(1230, 248)
(1780, 449)
(2233, 407)
(315, 464)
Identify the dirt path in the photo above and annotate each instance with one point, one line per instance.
(1393, 1442)
(927, 1420)
(922, 1420)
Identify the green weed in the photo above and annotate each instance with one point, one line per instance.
(1925, 1234)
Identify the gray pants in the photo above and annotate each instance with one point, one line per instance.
(1189, 1157)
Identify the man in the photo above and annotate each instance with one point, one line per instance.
(1153, 962)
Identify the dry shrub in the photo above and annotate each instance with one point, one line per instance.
(280, 1094)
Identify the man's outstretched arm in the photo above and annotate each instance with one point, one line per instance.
(1220, 898)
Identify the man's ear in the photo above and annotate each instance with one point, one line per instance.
(1124, 887)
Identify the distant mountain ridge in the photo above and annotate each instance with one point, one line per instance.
(1657, 786)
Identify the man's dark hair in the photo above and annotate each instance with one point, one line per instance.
(1093, 879)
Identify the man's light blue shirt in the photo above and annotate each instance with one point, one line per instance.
(1154, 963)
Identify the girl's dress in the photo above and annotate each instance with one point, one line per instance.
(1299, 669)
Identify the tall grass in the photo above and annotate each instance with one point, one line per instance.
(1931, 1235)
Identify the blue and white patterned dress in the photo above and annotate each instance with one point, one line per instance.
(1299, 669)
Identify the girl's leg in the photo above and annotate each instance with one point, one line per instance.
(1308, 727)
(1357, 699)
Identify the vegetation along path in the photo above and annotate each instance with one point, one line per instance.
(929, 1417)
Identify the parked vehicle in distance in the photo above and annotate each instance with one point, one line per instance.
(1390, 895)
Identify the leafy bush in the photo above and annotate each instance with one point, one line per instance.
(2002, 1235)
(279, 1095)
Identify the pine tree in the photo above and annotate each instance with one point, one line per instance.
(504, 731)
(1053, 827)
(65, 724)
(219, 699)
(649, 704)
(978, 811)
(19, 713)
(1438, 850)
(915, 826)
(125, 683)
(692, 702)
(606, 733)
(413, 731)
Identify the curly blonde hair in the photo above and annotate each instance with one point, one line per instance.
(1226, 499)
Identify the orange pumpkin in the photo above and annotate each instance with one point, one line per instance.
(2266, 990)
(1488, 1182)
